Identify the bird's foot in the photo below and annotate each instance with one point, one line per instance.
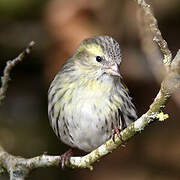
(117, 131)
(65, 157)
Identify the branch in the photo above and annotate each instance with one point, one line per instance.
(19, 168)
(9, 66)
(147, 33)
(153, 27)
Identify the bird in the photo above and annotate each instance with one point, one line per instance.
(88, 100)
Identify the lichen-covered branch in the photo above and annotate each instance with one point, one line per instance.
(9, 66)
(19, 168)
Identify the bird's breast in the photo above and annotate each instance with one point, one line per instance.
(88, 117)
(85, 113)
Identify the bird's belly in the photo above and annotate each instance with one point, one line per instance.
(89, 123)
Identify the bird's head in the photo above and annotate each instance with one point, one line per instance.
(99, 55)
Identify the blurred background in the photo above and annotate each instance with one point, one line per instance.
(57, 27)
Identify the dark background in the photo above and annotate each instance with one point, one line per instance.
(57, 27)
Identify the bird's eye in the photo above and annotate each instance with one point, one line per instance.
(98, 58)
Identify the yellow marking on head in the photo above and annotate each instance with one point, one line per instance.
(95, 49)
(92, 49)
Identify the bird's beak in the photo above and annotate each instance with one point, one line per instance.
(113, 70)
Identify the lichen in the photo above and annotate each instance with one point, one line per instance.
(161, 116)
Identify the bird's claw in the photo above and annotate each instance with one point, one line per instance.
(65, 157)
(117, 131)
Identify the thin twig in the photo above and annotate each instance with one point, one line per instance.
(151, 50)
(153, 27)
(9, 66)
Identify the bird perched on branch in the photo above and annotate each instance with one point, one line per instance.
(88, 102)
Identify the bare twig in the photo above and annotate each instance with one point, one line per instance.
(153, 26)
(151, 50)
(9, 66)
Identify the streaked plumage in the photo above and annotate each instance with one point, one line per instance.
(87, 98)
